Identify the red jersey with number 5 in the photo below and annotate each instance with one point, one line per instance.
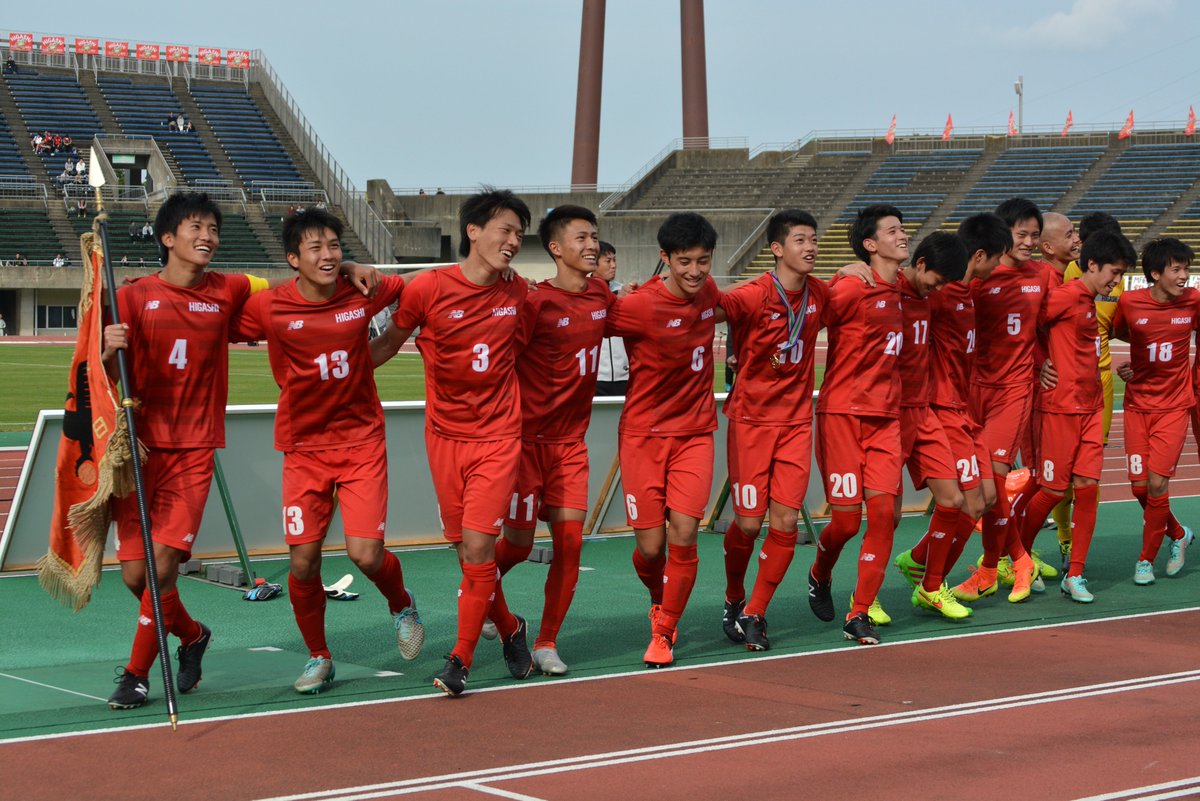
(179, 356)
(1073, 342)
(669, 341)
(558, 342)
(866, 334)
(467, 342)
(321, 361)
(1007, 305)
(951, 344)
(1160, 339)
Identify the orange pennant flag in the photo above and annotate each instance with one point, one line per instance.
(1012, 125)
(1127, 129)
(890, 137)
(948, 129)
(1190, 128)
(1070, 121)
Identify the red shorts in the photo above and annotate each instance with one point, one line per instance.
(661, 473)
(552, 475)
(924, 446)
(176, 484)
(768, 463)
(1004, 413)
(1154, 441)
(856, 453)
(473, 482)
(1072, 444)
(359, 477)
(965, 436)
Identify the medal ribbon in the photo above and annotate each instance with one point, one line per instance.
(795, 321)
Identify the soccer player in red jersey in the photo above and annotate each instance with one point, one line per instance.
(858, 426)
(329, 425)
(775, 320)
(666, 443)
(1071, 420)
(558, 338)
(468, 319)
(1158, 322)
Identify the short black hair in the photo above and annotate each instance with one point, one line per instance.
(986, 232)
(866, 225)
(685, 230)
(606, 248)
(1105, 247)
(482, 206)
(177, 208)
(553, 223)
(297, 225)
(782, 223)
(944, 253)
(1097, 221)
(1018, 209)
(1159, 253)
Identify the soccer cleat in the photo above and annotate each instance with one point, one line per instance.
(730, 619)
(489, 631)
(912, 570)
(1075, 588)
(976, 586)
(516, 651)
(1044, 570)
(660, 653)
(755, 629)
(548, 661)
(131, 690)
(453, 678)
(942, 601)
(858, 628)
(1143, 573)
(317, 675)
(1037, 584)
(1178, 551)
(1064, 549)
(654, 614)
(189, 657)
(410, 631)
(820, 598)
(875, 612)
(1022, 581)
(1004, 571)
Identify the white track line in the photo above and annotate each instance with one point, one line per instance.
(1176, 789)
(51, 687)
(481, 788)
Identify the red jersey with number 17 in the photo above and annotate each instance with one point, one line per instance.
(866, 334)
(1160, 339)
(321, 361)
(179, 356)
(914, 356)
(1073, 342)
(467, 342)
(558, 342)
(1007, 305)
(951, 344)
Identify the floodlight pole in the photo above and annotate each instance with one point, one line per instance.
(1019, 88)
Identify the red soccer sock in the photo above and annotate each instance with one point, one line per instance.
(1019, 510)
(996, 523)
(560, 583)
(1039, 506)
(1173, 529)
(177, 619)
(1083, 525)
(920, 551)
(651, 574)
(475, 595)
(389, 578)
(739, 547)
(678, 579)
(941, 537)
(777, 552)
(508, 555)
(145, 641)
(833, 538)
(1142, 494)
(966, 524)
(875, 551)
(308, 607)
(1154, 526)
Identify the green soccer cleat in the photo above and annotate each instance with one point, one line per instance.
(912, 570)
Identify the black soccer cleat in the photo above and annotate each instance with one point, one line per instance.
(131, 691)
(189, 657)
(858, 628)
(453, 678)
(754, 628)
(729, 620)
(820, 598)
(516, 651)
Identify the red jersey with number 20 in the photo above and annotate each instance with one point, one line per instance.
(1160, 339)
(1007, 305)
(1073, 341)
(862, 369)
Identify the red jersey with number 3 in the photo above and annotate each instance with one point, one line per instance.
(866, 335)
(951, 344)
(179, 356)
(1160, 339)
(321, 361)
(467, 342)
(764, 394)
(914, 356)
(669, 341)
(558, 341)
(1007, 305)
(1073, 342)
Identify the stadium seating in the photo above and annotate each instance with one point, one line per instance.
(54, 103)
(118, 236)
(244, 135)
(1042, 174)
(1141, 184)
(1187, 226)
(28, 231)
(709, 188)
(11, 162)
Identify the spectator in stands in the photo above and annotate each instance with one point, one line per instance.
(170, 123)
(179, 123)
(3, 327)
(59, 260)
(124, 260)
(421, 192)
(320, 205)
(147, 232)
(440, 191)
(66, 175)
(613, 373)
(81, 207)
(135, 232)
(19, 260)
(188, 127)
(10, 66)
(81, 167)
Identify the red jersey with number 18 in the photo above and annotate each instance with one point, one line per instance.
(1007, 305)
(866, 333)
(321, 361)
(951, 344)
(1159, 337)
(467, 342)
(558, 342)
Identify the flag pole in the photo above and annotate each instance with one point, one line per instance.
(96, 180)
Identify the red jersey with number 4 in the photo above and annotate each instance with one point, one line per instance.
(558, 341)
(764, 394)
(179, 356)
(915, 355)
(951, 344)
(866, 334)
(669, 342)
(467, 342)
(321, 361)
(1073, 342)
(1160, 339)
(1007, 305)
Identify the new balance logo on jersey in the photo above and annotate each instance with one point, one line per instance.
(382, 527)
(812, 309)
(564, 322)
(959, 307)
(190, 538)
(504, 311)
(456, 314)
(775, 316)
(674, 323)
(1142, 321)
(994, 290)
(152, 304)
(201, 306)
(600, 315)
(1036, 289)
(704, 315)
(352, 314)
(881, 304)
(295, 325)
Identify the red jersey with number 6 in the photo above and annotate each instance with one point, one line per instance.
(1160, 339)
(866, 334)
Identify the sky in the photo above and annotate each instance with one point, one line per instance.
(456, 93)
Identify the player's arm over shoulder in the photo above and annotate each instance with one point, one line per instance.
(247, 325)
(845, 297)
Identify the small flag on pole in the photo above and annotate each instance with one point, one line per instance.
(1012, 124)
(890, 137)
(1190, 128)
(1069, 123)
(948, 129)
(1127, 128)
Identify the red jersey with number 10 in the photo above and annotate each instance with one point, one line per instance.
(1007, 305)
(1160, 339)
(1073, 342)
(558, 340)
(866, 334)
(951, 344)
